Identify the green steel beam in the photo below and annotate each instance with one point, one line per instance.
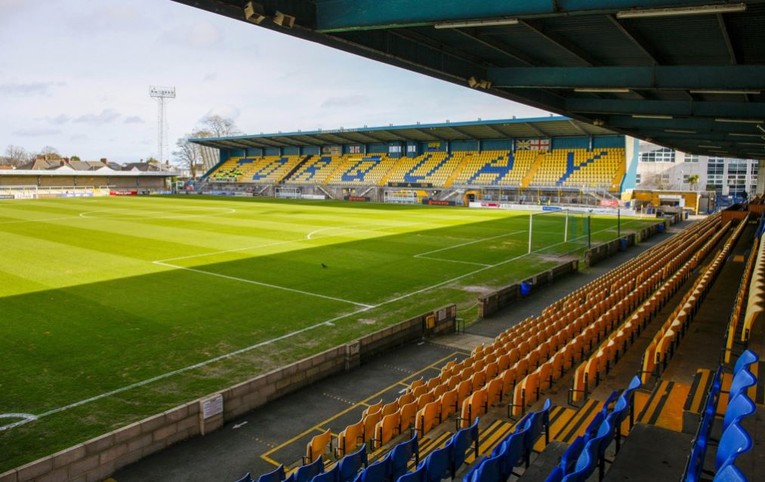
(744, 110)
(652, 77)
(345, 15)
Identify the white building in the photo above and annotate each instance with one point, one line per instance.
(662, 168)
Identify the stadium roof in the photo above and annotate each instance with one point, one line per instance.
(687, 74)
(491, 129)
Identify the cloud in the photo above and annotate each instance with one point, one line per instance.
(37, 132)
(78, 137)
(346, 101)
(59, 119)
(210, 76)
(199, 35)
(134, 119)
(227, 111)
(27, 89)
(105, 117)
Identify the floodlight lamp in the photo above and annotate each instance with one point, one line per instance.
(490, 22)
(254, 12)
(680, 11)
(284, 20)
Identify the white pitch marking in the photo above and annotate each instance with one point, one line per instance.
(327, 323)
(26, 418)
(267, 285)
(469, 243)
(194, 366)
(112, 214)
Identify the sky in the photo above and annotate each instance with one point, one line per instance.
(75, 76)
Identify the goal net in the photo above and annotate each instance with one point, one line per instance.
(558, 232)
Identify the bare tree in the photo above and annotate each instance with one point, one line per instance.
(189, 154)
(16, 155)
(218, 126)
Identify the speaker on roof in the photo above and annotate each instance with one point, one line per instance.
(254, 12)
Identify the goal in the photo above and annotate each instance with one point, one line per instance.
(559, 231)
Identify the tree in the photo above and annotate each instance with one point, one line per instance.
(50, 152)
(218, 126)
(693, 180)
(189, 155)
(16, 155)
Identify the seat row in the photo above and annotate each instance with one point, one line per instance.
(735, 440)
(662, 346)
(512, 451)
(739, 305)
(587, 452)
(756, 298)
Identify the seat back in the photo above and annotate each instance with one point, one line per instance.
(379, 471)
(318, 445)
(438, 464)
(734, 442)
(246, 478)
(329, 476)
(276, 475)
(745, 360)
(416, 476)
(741, 382)
(351, 464)
(738, 408)
(570, 456)
(400, 456)
(308, 472)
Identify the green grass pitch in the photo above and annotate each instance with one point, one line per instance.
(106, 304)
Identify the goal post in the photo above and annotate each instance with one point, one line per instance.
(561, 228)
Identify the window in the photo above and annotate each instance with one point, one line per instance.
(658, 155)
(637, 178)
(691, 158)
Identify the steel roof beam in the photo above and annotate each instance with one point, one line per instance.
(500, 48)
(561, 43)
(651, 77)
(345, 15)
(743, 110)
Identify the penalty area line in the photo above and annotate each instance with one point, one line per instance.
(258, 283)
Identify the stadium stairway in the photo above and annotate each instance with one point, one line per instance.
(279, 432)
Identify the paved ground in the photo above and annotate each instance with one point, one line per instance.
(278, 432)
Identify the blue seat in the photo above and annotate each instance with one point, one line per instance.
(556, 475)
(400, 456)
(416, 476)
(514, 452)
(609, 401)
(331, 475)
(379, 471)
(460, 443)
(570, 456)
(534, 425)
(247, 478)
(308, 472)
(585, 464)
(592, 427)
(741, 382)
(738, 408)
(599, 443)
(276, 475)
(734, 442)
(745, 360)
(489, 470)
(695, 462)
(438, 465)
(351, 464)
(729, 473)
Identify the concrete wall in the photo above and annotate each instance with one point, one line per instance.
(98, 458)
(493, 302)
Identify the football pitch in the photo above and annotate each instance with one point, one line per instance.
(114, 309)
